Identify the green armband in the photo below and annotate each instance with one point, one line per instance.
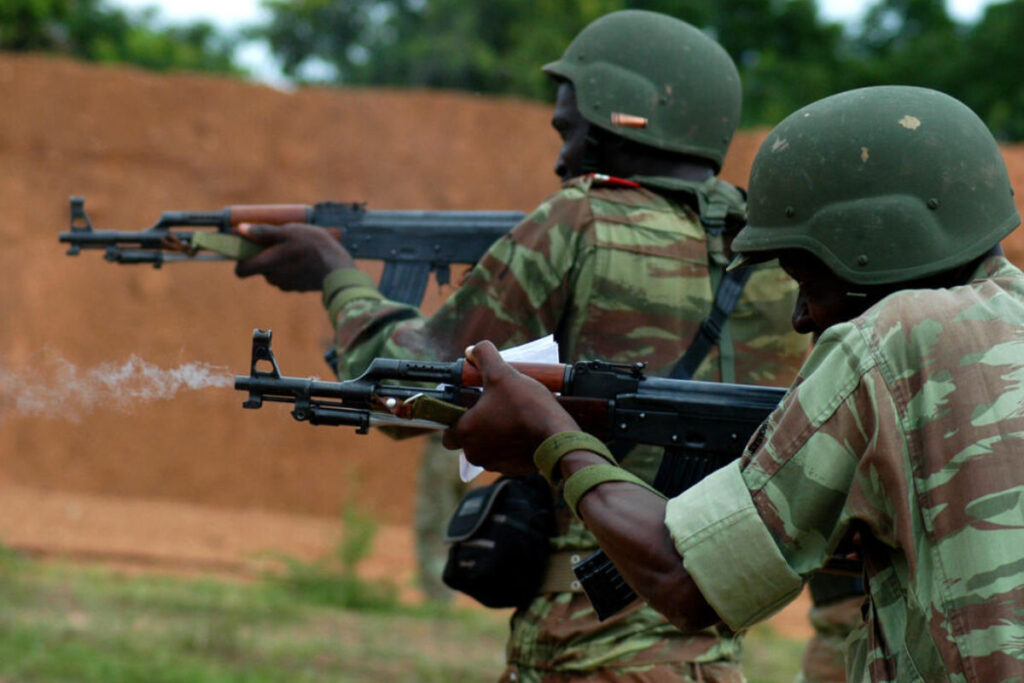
(344, 278)
(584, 480)
(344, 285)
(555, 447)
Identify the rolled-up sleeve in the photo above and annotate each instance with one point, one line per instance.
(728, 550)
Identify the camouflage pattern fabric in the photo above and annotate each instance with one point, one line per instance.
(824, 658)
(616, 273)
(619, 273)
(904, 428)
(558, 638)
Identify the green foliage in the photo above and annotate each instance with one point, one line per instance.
(788, 56)
(493, 47)
(90, 30)
(990, 81)
(785, 53)
(333, 581)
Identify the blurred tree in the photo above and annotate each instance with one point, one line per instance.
(497, 46)
(913, 42)
(33, 24)
(90, 30)
(989, 82)
(893, 24)
(787, 55)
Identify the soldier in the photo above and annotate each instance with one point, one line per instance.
(622, 264)
(903, 432)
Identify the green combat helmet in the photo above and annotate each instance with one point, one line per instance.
(655, 80)
(885, 184)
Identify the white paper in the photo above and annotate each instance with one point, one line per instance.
(543, 350)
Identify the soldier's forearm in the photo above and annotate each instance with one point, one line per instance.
(628, 522)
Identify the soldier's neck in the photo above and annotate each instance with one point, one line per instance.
(664, 167)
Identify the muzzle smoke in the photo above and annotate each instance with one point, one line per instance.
(60, 389)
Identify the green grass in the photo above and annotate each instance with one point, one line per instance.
(60, 622)
(66, 623)
(333, 580)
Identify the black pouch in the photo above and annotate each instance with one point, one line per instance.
(499, 536)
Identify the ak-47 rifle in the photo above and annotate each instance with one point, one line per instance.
(412, 244)
(701, 425)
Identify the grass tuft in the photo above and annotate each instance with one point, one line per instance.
(333, 581)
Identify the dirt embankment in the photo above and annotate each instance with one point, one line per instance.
(135, 144)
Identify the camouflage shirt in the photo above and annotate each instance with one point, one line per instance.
(904, 427)
(617, 272)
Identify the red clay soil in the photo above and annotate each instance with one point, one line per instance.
(136, 144)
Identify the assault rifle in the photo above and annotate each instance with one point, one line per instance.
(412, 244)
(701, 425)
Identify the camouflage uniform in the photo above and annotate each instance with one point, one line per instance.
(619, 272)
(904, 429)
(824, 657)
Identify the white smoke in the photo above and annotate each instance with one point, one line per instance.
(61, 389)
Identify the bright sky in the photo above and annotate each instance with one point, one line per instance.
(231, 14)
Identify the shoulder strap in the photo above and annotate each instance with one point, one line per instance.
(718, 203)
(710, 331)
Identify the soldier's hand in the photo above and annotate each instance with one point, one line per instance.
(513, 416)
(297, 257)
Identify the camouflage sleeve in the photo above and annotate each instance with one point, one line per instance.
(796, 487)
(516, 293)
(709, 524)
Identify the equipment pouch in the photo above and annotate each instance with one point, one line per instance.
(499, 541)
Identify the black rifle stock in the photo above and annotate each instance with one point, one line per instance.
(702, 425)
(412, 244)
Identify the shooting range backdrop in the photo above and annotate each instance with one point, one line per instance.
(135, 144)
